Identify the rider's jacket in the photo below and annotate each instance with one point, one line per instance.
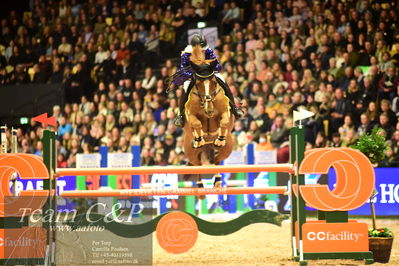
(185, 72)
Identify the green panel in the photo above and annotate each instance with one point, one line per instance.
(240, 203)
(240, 199)
(112, 181)
(294, 203)
(226, 228)
(14, 222)
(273, 183)
(241, 176)
(321, 215)
(338, 255)
(190, 204)
(336, 217)
(210, 228)
(120, 229)
(81, 182)
(204, 206)
(49, 159)
(300, 151)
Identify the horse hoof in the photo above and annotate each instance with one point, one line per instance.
(198, 144)
(220, 143)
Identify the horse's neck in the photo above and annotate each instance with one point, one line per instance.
(202, 92)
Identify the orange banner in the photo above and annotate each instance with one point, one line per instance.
(25, 242)
(319, 236)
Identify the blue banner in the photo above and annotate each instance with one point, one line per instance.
(387, 199)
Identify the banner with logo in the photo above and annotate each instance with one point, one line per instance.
(118, 160)
(236, 157)
(88, 160)
(387, 198)
(266, 157)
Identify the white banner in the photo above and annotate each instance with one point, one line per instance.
(118, 160)
(88, 160)
(236, 157)
(266, 157)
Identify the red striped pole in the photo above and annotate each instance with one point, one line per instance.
(172, 191)
(209, 169)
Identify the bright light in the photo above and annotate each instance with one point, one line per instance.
(201, 25)
(23, 120)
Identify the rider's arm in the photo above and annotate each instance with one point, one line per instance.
(184, 74)
(209, 54)
(185, 60)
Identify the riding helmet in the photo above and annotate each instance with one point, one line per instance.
(200, 40)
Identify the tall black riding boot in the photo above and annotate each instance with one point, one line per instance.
(237, 112)
(180, 118)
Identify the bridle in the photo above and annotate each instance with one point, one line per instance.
(206, 98)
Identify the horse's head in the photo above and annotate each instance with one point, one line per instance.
(205, 81)
(206, 85)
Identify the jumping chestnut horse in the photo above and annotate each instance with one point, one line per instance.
(209, 122)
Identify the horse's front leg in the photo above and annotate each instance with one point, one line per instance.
(222, 131)
(196, 127)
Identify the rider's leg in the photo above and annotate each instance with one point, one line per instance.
(179, 121)
(235, 110)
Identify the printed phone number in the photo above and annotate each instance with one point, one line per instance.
(113, 255)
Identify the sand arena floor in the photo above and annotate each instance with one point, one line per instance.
(256, 244)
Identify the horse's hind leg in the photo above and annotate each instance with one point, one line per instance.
(218, 181)
(200, 185)
(218, 177)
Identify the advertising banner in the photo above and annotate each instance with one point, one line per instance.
(387, 198)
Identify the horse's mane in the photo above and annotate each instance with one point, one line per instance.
(198, 57)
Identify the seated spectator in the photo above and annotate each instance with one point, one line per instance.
(385, 124)
(386, 108)
(340, 108)
(64, 127)
(347, 126)
(280, 133)
(388, 84)
(365, 125)
(149, 80)
(101, 55)
(395, 103)
(65, 48)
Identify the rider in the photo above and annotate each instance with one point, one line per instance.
(184, 74)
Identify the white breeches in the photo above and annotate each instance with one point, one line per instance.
(220, 76)
(185, 84)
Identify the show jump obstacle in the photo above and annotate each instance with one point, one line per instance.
(332, 236)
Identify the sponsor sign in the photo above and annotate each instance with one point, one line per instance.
(387, 187)
(25, 242)
(319, 236)
(266, 157)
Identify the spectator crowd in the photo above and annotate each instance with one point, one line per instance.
(338, 59)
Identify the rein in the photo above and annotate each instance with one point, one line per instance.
(206, 98)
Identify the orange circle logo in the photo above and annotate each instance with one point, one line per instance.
(354, 179)
(177, 232)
